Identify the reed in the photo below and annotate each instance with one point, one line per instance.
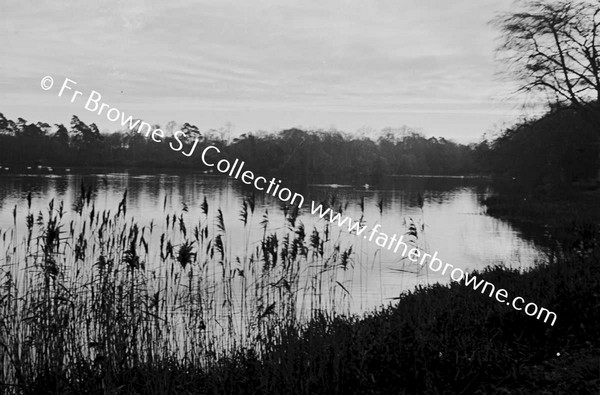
(88, 298)
(99, 303)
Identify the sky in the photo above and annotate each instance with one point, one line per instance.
(261, 65)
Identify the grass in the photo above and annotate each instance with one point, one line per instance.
(85, 309)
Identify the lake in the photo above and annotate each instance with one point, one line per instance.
(446, 211)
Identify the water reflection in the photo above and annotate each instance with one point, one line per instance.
(446, 211)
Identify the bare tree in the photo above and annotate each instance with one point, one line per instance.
(552, 47)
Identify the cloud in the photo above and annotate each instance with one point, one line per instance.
(334, 57)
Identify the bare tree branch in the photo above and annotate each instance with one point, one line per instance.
(552, 47)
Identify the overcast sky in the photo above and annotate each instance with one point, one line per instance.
(267, 65)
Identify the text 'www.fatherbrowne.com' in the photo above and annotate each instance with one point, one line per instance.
(273, 187)
(398, 244)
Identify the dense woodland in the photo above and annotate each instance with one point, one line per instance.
(290, 151)
(558, 148)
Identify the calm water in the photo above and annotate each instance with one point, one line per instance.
(451, 220)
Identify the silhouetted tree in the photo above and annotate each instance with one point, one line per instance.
(552, 47)
(61, 135)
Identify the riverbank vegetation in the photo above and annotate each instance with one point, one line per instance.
(99, 304)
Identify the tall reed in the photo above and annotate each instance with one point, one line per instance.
(94, 295)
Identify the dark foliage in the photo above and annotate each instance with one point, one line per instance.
(545, 154)
(293, 151)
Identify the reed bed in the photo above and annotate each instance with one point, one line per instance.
(93, 302)
(90, 295)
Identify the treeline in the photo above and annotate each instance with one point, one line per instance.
(302, 152)
(291, 151)
(556, 149)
